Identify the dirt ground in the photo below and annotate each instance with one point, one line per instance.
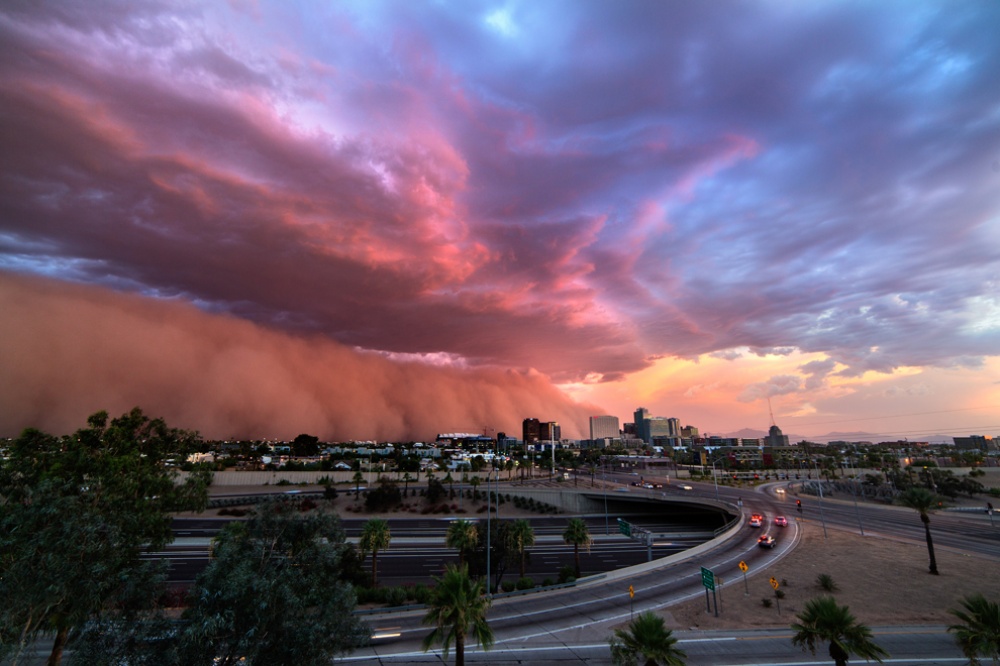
(882, 581)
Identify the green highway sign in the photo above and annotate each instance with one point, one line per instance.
(708, 579)
(624, 528)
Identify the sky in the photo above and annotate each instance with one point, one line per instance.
(393, 219)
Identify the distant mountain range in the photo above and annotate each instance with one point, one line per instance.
(859, 436)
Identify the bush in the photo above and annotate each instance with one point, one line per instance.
(508, 586)
(524, 583)
(567, 574)
(825, 581)
(548, 582)
(395, 596)
(766, 602)
(780, 594)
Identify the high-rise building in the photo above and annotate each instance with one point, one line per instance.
(549, 432)
(775, 438)
(530, 430)
(604, 427)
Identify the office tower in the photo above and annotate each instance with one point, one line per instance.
(604, 427)
(530, 431)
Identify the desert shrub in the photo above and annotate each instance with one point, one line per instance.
(524, 583)
(567, 574)
(307, 504)
(548, 582)
(508, 586)
(766, 602)
(395, 596)
(383, 498)
(825, 581)
(779, 593)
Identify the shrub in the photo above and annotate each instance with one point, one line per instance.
(825, 581)
(780, 594)
(567, 574)
(766, 602)
(548, 582)
(395, 596)
(524, 583)
(508, 586)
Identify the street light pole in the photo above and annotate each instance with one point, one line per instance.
(604, 482)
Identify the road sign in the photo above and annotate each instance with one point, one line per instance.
(774, 582)
(743, 566)
(707, 579)
(624, 528)
(631, 592)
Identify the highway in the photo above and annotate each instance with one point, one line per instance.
(571, 625)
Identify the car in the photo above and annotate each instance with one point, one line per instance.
(766, 541)
(780, 491)
(685, 486)
(781, 520)
(755, 521)
(621, 490)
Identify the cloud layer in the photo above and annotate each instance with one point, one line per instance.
(579, 188)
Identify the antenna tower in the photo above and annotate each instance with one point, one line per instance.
(770, 411)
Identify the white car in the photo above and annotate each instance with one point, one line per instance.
(685, 486)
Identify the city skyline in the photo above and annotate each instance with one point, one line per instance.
(385, 220)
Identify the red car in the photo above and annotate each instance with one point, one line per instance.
(756, 520)
(781, 520)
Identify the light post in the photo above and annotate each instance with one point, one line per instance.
(715, 477)
(607, 528)
(819, 481)
(489, 548)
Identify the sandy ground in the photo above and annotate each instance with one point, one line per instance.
(882, 581)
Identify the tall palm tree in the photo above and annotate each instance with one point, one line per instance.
(375, 536)
(577, 535)
(823, 621)
(463, 536)
(923, 502)
(646, 635)
(457, 609)
(475, 488)
(979, 634)
(524, 538)
(358, 478)
(406, 482)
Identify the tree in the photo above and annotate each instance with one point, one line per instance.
(822, 620)
(358, 480)
(375, 536)
(406, 482)
(462, 536)
(305, 445)
(979, 634)
(524, 537)
(923, 502)
(273, 593)
(77, 513)
(457, 609)
(577, 535)
(646, 635)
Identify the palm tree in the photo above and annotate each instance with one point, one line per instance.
(450, 480)
(577, 535)
(475, 488)
(524, 537)
(646, 635)
(358, 478)
(823, 620)
(463, 536)
(979, 635)
(375, 536)
(406, 482)
(457, 609)
(923, 501)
